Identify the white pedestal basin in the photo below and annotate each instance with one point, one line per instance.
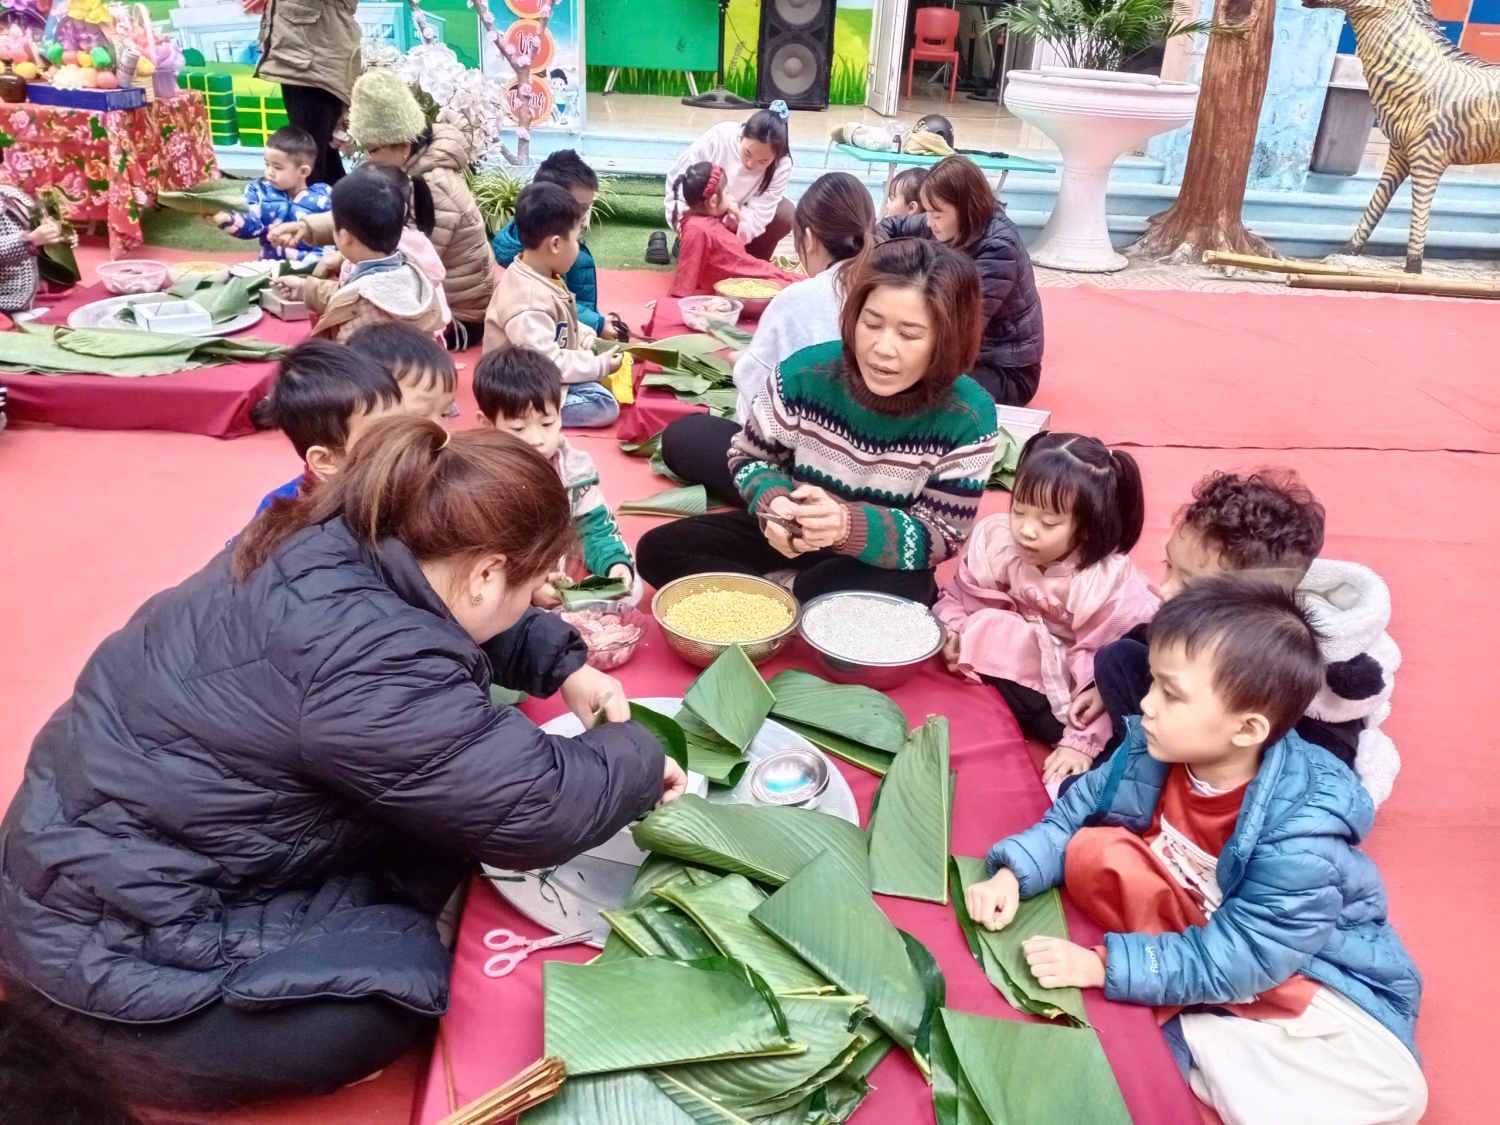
(1093, 116)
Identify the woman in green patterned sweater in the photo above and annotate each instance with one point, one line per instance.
(863, 462)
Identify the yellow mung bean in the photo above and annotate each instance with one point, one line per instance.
(748, 287)
(727, 616)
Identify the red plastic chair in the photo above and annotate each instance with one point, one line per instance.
(937, 28)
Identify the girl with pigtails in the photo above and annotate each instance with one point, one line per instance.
(711, 252)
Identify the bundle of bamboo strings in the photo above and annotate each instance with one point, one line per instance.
(534, 1085)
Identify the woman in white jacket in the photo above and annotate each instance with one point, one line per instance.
(757, 163)
(834, 220)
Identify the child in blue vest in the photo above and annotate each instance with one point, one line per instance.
(1219, 852)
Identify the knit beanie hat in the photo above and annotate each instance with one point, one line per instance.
(382, 111)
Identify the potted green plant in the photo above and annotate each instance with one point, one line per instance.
(1092, 111)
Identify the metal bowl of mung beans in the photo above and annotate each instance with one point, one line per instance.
(703, 614)
(862, 637)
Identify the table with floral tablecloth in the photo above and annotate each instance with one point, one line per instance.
(109, 163)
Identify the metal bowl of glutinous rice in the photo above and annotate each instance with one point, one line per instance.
(703, 614)
(873, 639)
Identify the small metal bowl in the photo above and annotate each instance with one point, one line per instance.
(789, 777)
(703, 653)
(881, 677)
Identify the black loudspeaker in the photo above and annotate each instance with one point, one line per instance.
(796, 52)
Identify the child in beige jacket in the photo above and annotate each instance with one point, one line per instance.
(532, 308)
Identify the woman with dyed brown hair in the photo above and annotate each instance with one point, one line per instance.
(222, 872)
(963, 213)
(863, 462)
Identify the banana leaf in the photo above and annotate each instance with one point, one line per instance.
(665, 730)
(669, 352)
(1011, 1072)
(506, 697)
(679, 382)
(876, 761)
(730, 335)
(616, 948)
(677, 502)
(205, 198)
(730, 697)
(834, 925)
(1007, 457)
(648, 448)
(999, 952)
(227, 301)
(59, 350)
(630, 927)
(825, 1025)
(674, 1011)
(594, 588)
(716, 369)
(661, 871)
(628, 1097)
(721, 402)
(852, 711)
(767, 843)
(909, 832)
(56, 263)
(722, 910)
(678, 934)
(709, 754)
(840, 1082)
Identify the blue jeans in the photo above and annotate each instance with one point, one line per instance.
(588, 405)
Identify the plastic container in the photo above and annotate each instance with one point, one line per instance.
(181, 318)
(137, 275)
(600, 622)
(698, 311)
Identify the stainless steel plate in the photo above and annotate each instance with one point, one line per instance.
(105, 314)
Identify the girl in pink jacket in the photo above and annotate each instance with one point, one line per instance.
(1041, 589)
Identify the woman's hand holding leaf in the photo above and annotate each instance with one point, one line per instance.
(1059, 963)
(589, 690)
(546, 595)
(993, 903)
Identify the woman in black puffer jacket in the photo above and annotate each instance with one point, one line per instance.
(222, 870)
(963, 212)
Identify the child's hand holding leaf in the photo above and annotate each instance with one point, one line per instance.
(993, 903)
(1058, 963)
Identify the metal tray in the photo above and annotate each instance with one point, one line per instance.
(103, 314)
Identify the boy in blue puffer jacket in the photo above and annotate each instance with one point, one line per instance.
(1218, 851)
(566, 169)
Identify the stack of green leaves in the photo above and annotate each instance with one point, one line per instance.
(911, 820)
(594, 588)
(1008, 1072)
(857, 724)
(1007, 457)
(999, 952)
(691, 372)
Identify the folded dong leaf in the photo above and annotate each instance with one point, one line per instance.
(1000, 952)
(669, 352)
(909, 831)
(825, 1025)
(852, 711)
(767, 843)
(689, 501)
(205, 198)
(856, 754)
(722, 910)
(835, 926)
(731, 698)
(648, 448)
(708, 754)
(665, 730)
(1046, 1074)
(628, 1014)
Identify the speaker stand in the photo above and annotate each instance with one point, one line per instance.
(719, 97)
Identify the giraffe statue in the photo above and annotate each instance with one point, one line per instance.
(1436, 105)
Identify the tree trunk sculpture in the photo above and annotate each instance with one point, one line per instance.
(1206, 214)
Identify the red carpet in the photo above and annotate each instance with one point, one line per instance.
(1364, 397)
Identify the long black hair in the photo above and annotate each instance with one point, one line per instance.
(691, 187)
(423, 211)
(1099, 487)
(768, 128)
(837, 211)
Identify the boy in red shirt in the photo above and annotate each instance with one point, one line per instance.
(1218, 850)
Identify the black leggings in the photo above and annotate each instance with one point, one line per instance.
(696, 448)
(763, 245)
(1032, 709)
(734, 542)
(1009, 386)
(221, 1057)
(316, 110)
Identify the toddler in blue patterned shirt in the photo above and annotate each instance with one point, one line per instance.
(283, 195)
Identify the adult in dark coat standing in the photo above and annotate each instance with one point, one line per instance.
(223, 868)
(963, 212)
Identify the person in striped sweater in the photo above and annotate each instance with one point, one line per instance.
(863, 461)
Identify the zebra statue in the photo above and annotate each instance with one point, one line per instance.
(1436, 105)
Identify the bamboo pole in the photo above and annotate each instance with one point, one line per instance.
(534, 1085)
(1288, 266)
(1400, 283)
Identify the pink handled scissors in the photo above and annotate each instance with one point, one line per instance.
(514, 948)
